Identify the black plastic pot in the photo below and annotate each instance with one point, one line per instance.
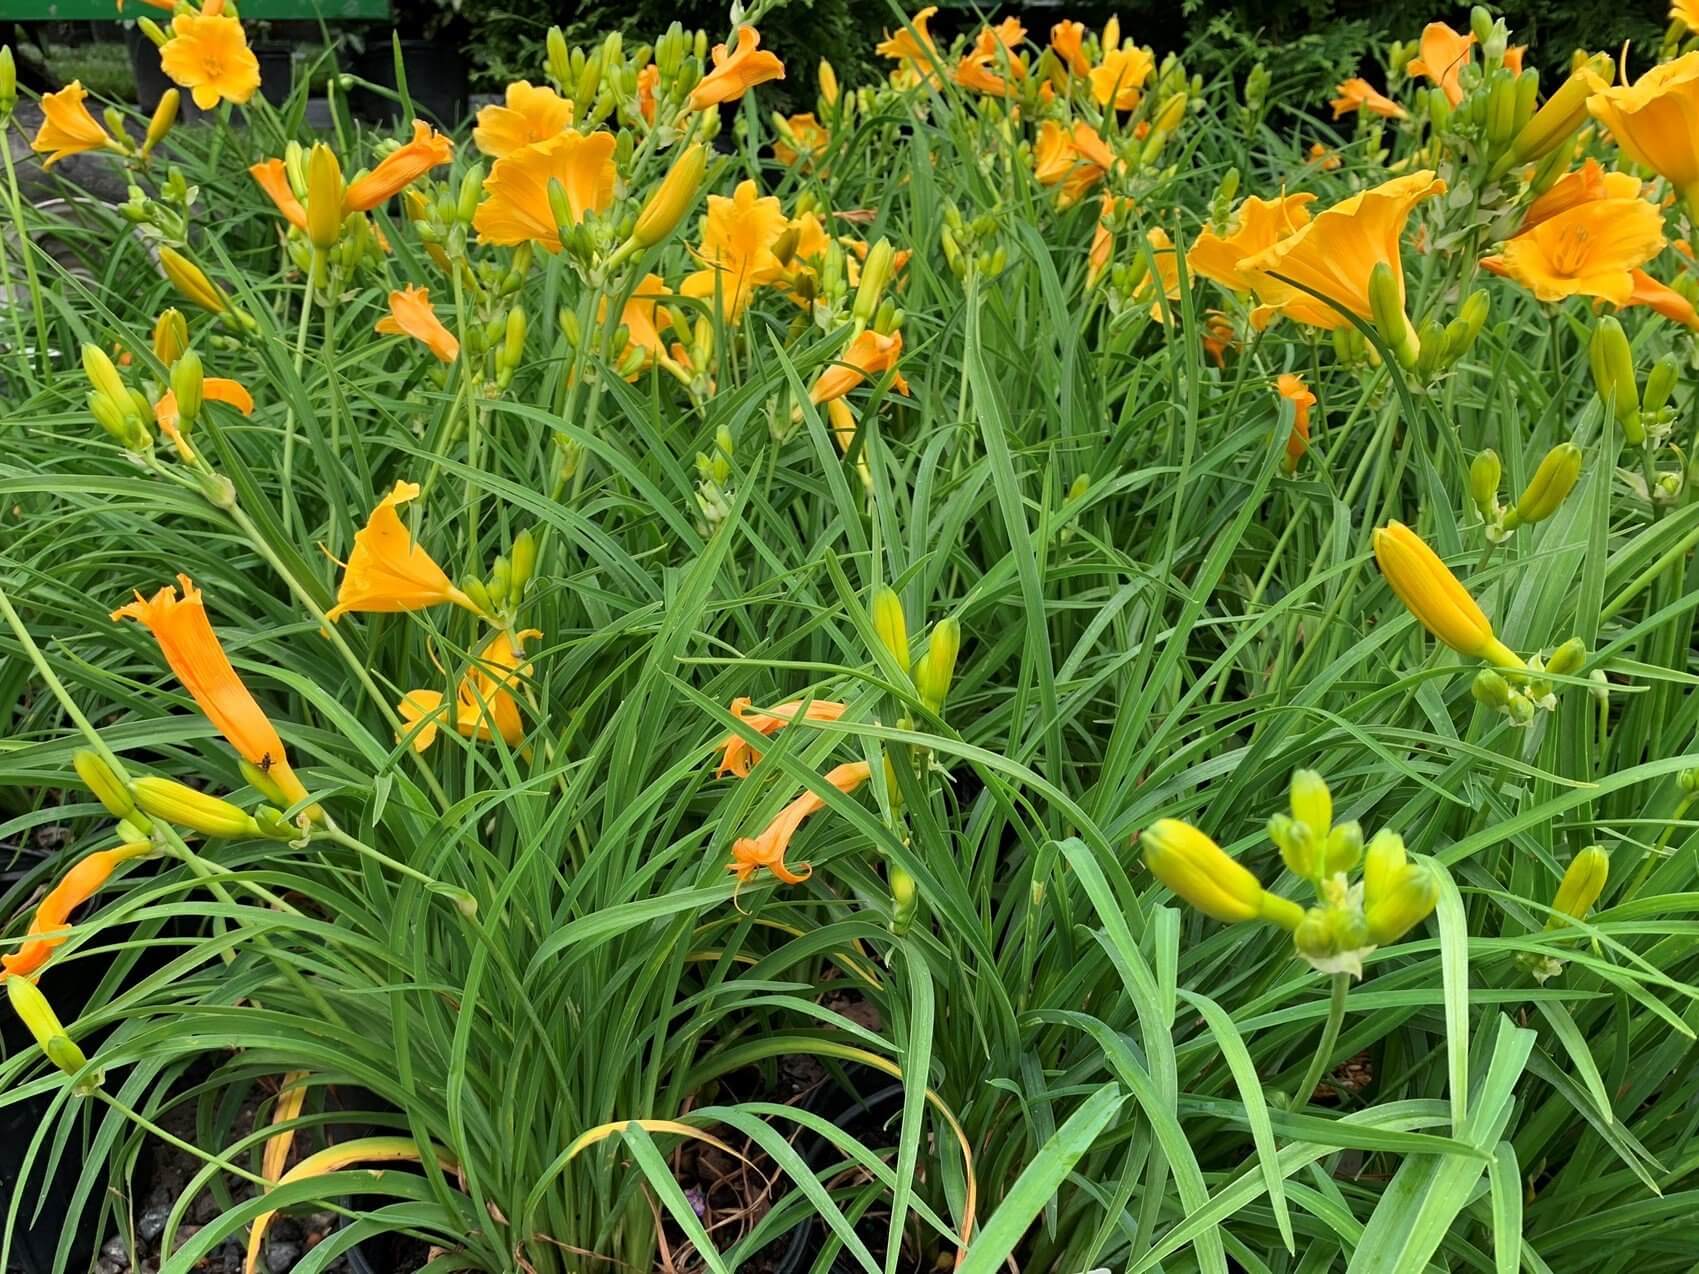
(436, 82)
(807, 1239)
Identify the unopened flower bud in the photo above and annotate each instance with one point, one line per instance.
(98, 777)
(1612, 362)
(1551, 483)
(164, 116)
(828, 83)
(1484, 473)
(1403, 902)
(1386, 299)
(199, 811)
(1344, 848)
(325, 189)
(8, 83)
(170, 336)
(875, 274)
(1581, 885)
(1201, 873)
(1660, 383)
(188, 386)
(890, 625)
(1567, 659)
(1312, 803)
(523, 556)
(673, 198)
(42, 1022)
(103, 375)
(932, 675)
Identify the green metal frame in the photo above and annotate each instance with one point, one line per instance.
(107, 10)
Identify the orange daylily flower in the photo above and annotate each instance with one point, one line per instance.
(915, 49)
(1337, 251)
(1165, 268)
(1585, 184)
(1120, 77)
(737, 248)
(737, 72)
(388, 571)
(273, 178)
(981, 67)
(1357, 94)
(868, 355)
(737, 756)
(516, 208)
(1076, 158)
(1655, 120)
(1513, 58)
(53, 913)
(1443, 55)
(751, 853)
(67, 128)
(1258, 224)
(1587, 250)
(1292, 388)
(1663, 299)
(485, 704)
(1327, 160)
(647, 79)
(1068, 39)
(410, 314)
(531, 114)
(1217, 337)
(811, 136)
(1102, 240)
(642, 318)
(209, 56)
(192, 649)
(399, 169)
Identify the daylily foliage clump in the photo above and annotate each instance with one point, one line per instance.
(657, 616)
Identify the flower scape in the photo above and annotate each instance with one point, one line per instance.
(1149, 620)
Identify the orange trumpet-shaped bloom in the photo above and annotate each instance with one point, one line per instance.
(485, 703)
(1584, 185)
(75, 888)
(273, 178)
(516, 193)
(1443, 55)
(868, 355)
(736, 72)
(1588, 250)
(1293, 390)
(647, 79)
(191, 647)
(1357, 94)
(1257, 225)
(388, 571)
(1335, 253)
(399, 169)
(1076, 159)
(209, 56)
(1102, 240)
(736, 753)
(751, 853)
(1068, 39)
(1663, 299)
(532, 113)
(1119, 78)
(67, 128)
(410, 314)
(912, 46)
(737, 248)
(642, 318)
(812, 139)
(1655, 120)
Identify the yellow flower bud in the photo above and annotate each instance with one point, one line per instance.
(325, 192)
(524, 558)
(1312, 803)
(164, 116)
(1384, 859)
(890, 625)
(1171, 115)
(1344, 848)
(828, 83)
(905, 900)
(38, 1016)
(1567, 659)
(875, 275)
(170, 336)
(672, 198)
(1433, 595)
(1581, 886)
(1201, 873)
(103, 375)
(1551, 483)
(199, 811)
(1402, 903)
(559, 65)
(937, 666)
(1564, 112)
(191, 281)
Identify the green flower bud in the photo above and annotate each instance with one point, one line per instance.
(1612, 362)
(1660, 383)
(1567, 659)
(187, 384)
(890, 625)
(1386, 299)
(98, 777)
(1344, 849)
(1296, 844)
(1551, 483)
(932, 675)
(1484, 473)
(198, 811)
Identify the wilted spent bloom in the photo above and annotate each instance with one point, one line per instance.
(411, 314)
(1201, 873)
(1435, 597)
(751, 853)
